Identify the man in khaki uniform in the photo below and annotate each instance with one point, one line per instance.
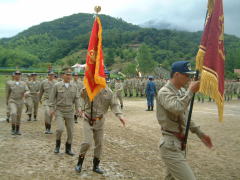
(15, 92)
(45, 89)
(118, 91)
(62, 98)
(94, 122)
(172, 107)
(79, 85)
(34, 87)
(28, 99)
(8, 108)
(125, 87)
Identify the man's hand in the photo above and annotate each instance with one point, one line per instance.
(207, 141)
(52, 113)
(194, 86)
(81, 113)
(123, 121)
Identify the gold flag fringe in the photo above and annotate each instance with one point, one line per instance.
(200, 59)
(209, 86)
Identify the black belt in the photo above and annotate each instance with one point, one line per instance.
(92, 120)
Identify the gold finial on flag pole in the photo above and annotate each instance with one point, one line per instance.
(97, 9)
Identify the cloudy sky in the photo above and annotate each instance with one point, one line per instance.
(18, 15)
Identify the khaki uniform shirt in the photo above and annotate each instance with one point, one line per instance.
(64, 98)
(34, 87)
(15, 92)
(172, 107)
(118, 89)
(101, 103)
(45, 88)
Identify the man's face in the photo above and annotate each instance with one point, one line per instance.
(50, 77)
(75, 78)
(17, 77)
(67, 77)
(34, 77)
(182, 79)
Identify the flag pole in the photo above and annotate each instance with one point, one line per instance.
(184, 142)
(97, 9)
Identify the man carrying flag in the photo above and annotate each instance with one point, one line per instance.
(172, 103)
(96, 100)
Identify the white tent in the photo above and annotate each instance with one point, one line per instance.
(79, 67)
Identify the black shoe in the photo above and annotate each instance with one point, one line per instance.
(7, 119)
(57, 148)
(78, 168)
(96, 168)
(151, 108)
(13, 129)
(17, 130)
(68, 150)
(121, 106)
(29, 117)
(35, 118)
(148, 109)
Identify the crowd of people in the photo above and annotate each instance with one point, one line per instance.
(66, 99)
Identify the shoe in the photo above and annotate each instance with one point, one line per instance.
(57, 148)
(17, 130)
(121, 106)
(29, 117)
(78, 168)
(13, 129)
(35, 118)
(148, 109)
(96, 168)
(68, 149)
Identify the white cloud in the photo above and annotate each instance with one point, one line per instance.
(21, 14)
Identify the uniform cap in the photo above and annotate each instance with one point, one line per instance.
(17, 72)
(182, 67)
(75, 74)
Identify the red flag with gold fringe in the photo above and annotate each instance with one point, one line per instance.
(210, 57)
(94, 79)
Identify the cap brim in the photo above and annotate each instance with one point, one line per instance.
(190, 72)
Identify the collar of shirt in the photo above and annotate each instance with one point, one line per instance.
(66, 85)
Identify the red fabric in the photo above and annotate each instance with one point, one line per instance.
(94, 79)
(212, 41)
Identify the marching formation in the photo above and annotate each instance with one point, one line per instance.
(65, 99)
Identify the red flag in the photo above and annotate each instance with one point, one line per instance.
(210, 57)
(94, 79)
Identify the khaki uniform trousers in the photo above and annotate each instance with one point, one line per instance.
(47, 117)
(64, 116)
(91, 133)
(16, 112)
(33, 103)
(174, 159)
(8, 111)
(119, 96)
(28, 103)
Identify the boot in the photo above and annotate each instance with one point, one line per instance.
(125, 95)
(29, 117)
(7, 119)
(17, 130)
(46, 127)
(49, 129)
(68, 150)
(151, 108)
(78, 168)
(57, 148)
(13, 129)
(148, 108)
(35, 117)
(121, 106)
(96, 168)
(75, 118)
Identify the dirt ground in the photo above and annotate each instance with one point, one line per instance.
(129, 153)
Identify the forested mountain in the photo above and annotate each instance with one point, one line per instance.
(65, 40)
